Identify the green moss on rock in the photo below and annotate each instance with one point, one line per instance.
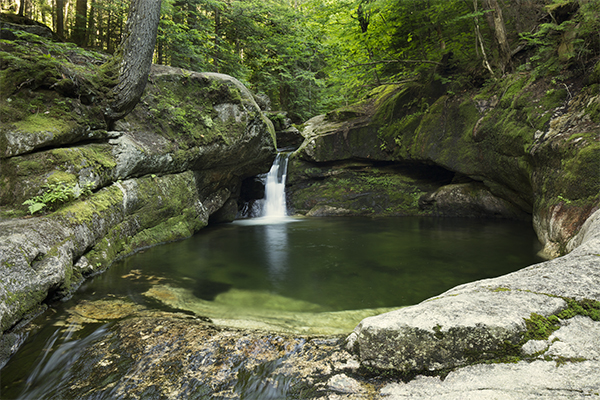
(358, 189)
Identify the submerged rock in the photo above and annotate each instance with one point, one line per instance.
(246, 309)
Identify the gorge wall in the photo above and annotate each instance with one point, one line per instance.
(519, 148)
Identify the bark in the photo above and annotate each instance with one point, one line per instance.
(479, 39)
(91, 32)
(135, 55)
(22, 6)
(496, 22)
(60, 18)
(217, 39)
(80, 29)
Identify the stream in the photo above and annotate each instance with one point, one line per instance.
(258, 292)
(296, 276)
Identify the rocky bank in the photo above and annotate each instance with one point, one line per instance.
(174, 164)
(521, 147)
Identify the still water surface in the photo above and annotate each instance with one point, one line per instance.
(341, 263)
(304, 266)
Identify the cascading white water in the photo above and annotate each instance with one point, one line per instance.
(274, 205)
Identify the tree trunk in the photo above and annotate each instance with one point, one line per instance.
(496, 22)
(134, 58)
(80, 29)
(91, 32)
(60, 18)
(216, 54)
(108, 33)
(22, 6)
(479, 39)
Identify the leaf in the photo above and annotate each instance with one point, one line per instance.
(34, 206)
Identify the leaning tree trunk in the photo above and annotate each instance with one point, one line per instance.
(134, 58)
(497, 24)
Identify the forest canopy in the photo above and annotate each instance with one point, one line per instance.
(310, 56)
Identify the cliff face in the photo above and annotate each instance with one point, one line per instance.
(521, 148)
(97, 195)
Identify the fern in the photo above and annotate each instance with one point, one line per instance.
(56, 194)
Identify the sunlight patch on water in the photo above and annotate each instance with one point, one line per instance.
(261, 310)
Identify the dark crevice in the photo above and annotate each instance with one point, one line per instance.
(419, 171)
(72, 145)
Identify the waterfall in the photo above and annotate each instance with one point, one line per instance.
(274, 203)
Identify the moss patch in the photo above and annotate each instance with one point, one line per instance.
(540, 327)
(182, 108)
(27, 176)
(361, 188)
(159, 210)
(585, 307)
(47, 79)
(41, 123)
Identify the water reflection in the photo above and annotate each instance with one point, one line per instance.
(276, 251)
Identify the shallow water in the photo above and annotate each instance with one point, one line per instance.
(339, 263)
(298, 274)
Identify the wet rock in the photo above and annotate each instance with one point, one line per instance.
(329, 211)
(470, 200)
(289, 138)
(174, 356)
(487, 319)
(343, 384)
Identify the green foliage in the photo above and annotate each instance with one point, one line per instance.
(273, 47)
(312, 56)
(569, 36)
(404, 40)
(57, 193)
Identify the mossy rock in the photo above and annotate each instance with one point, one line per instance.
(28, 175)
(360, 189)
